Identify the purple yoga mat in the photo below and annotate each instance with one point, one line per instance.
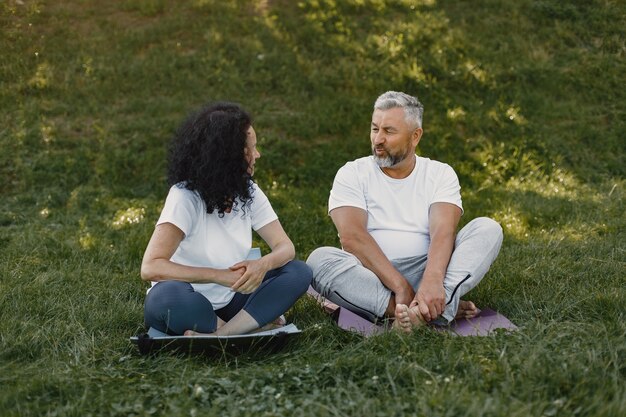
(484, 324)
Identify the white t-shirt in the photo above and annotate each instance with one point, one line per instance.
(213, 241)
(397, 209)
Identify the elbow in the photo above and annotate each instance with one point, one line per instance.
(147, 273)
(349, 242)
(287, 250)
(291, 251)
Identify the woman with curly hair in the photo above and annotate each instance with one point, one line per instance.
(196, 259)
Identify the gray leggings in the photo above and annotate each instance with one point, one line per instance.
(173, 306)
(341, 278)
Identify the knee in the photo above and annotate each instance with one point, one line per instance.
(165, 293)
(300, 272)
(171, 286)
(319, 257)
(489, 228)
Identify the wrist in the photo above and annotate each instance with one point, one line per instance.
(216, 276)
(403, 288)
(264, 263)
(433, 277)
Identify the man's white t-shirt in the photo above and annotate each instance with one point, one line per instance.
(397, 209)
(213, 241)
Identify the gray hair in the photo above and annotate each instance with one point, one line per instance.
(413, 109)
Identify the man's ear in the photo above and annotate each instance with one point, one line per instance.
(417, 135)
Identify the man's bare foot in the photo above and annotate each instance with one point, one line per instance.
(407, 318)
(402, 321)
(466, 310)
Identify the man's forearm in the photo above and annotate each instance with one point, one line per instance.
(439, 254)
(443, 219)
(351, 223)
(365, 248)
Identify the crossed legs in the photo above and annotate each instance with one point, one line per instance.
(340, 276)
(174, 307)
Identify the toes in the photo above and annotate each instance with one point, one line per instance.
(416, 317)
(402, 312)
(407, 318)
(467, 310)
(401, 309)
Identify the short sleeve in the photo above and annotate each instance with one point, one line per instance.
(448, 189)
(262, 212)
(179, 209)
(346, 189)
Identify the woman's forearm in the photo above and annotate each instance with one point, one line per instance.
(282, 253)
(164, 269)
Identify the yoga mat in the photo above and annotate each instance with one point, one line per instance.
(272, 340)
(484, 324)
(155, 340)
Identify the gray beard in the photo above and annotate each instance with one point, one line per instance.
(390, 160)
(386, 162)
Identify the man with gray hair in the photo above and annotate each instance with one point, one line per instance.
(396, 214)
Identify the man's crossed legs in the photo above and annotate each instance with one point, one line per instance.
(341, 278)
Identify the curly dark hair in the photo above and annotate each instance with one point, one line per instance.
(207, 156)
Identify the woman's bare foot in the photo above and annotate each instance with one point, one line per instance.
(279, 322)
(466, 310)
(407, 318)
(220, 323)
(192, 333)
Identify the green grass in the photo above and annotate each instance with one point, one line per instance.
(525, 99)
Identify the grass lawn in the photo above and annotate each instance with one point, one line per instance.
(525, 99)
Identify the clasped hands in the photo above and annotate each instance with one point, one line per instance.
(430, 298)
(246, 276)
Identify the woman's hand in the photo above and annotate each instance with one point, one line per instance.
(255, 270)
(253, 273)
(227, 277)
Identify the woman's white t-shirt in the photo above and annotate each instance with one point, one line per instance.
(213, 241)
(397, 209)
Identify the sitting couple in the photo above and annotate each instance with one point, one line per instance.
(396, 215)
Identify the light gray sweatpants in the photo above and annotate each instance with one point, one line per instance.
(341, 277)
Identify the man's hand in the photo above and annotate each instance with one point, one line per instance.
(254, 272)
(405, 294)
(430, 299)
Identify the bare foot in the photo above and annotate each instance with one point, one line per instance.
(402, 321)
(466, 310)
(416, 317)
(220, 323)
(407, 318)
(279, 322)
(192, 333)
